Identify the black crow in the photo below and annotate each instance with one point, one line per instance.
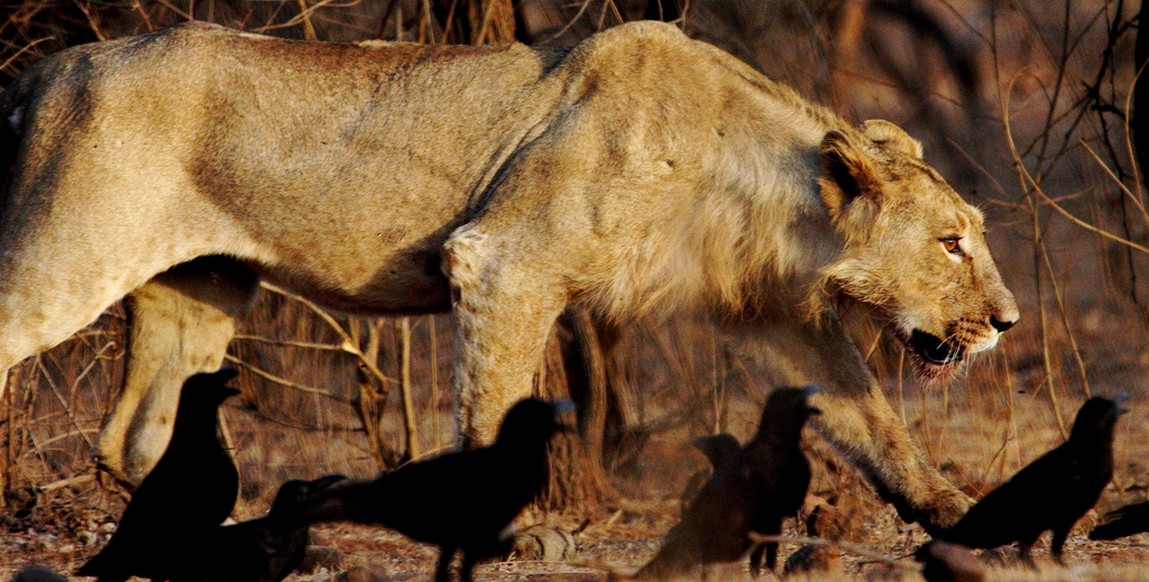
(1051, 493)
(1126, 521)
(189, 492)
(766, 481)
(719, 449)
(461, 501)
(266, 549)
(776, 449)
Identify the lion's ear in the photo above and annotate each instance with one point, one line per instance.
(847, 172)
(887, 134)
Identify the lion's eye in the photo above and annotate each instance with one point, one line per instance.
(951, 245)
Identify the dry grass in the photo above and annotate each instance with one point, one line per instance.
(1023, 107)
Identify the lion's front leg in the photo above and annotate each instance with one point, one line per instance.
(504, 307)
(867, 430)
(856, 417)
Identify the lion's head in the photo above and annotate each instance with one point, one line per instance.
(913, 248)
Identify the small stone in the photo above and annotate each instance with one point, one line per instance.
(545, 543)
(321, 557)
(360, 574)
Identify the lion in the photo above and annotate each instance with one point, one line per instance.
(638, 174)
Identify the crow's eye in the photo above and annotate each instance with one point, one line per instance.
(952, 245)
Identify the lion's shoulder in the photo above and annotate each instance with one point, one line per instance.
(634, 42)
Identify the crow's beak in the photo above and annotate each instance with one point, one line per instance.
(811, 390)
(563, 408)
(226, 374)
(222, 393)
(324, 482)
(1120, 399)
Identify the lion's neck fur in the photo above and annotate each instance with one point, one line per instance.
(757, 234)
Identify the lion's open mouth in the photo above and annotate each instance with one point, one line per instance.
(934, 350)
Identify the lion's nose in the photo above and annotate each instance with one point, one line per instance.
(1002, 324)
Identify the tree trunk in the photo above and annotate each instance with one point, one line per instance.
(574, 368)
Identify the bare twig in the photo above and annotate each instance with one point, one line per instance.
(290, 343)
(1031, 186)
(12, 59)
(849, 547)
(279, 380)
(56, 392)
(434, 381)
(69, 482)
(348, 344)
(68, 435)
(404, 328)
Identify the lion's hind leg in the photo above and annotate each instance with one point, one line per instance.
(182, 322)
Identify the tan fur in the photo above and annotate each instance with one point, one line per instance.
(640, 173)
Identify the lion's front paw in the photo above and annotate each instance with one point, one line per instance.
(944, 510)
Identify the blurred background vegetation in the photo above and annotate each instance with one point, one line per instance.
(1025, 106)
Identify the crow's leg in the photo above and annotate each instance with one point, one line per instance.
(443, 567)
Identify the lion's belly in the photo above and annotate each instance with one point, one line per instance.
(363, 273)
(406, 293)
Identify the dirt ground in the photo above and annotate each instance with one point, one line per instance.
(620, 541)
(69, 523)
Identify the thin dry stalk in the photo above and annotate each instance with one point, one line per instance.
(289, 343)
(305, 16)
(10, 446)
(1011, 413)
(681, 364)
(347, 343)
(372, 393)
(93, 22)
(148, 26)
(185, 15)
(426, 29)
(229, 446)
(1030, 186)
(280, 380)
(1087, 226)
(1043, 323)
(12, 59)
(1064, 312)
(852, 548)
(570, 23)
(434, 382)
(1130, 151)
(403, 326)
(60, 398)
